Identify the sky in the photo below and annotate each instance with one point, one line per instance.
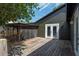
(45, 8)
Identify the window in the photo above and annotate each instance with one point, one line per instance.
(48, 31)
(54, 31)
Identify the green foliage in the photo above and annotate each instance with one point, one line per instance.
(14, 11)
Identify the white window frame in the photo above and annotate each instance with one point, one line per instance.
(57, 25)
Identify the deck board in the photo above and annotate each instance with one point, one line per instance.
(55, 48)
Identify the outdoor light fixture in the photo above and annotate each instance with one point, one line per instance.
(71, 22)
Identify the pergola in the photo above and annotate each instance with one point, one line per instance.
(16, 29)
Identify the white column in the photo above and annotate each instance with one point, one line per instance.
(3, 47)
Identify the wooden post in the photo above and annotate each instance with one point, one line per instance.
(13, 30)
(18, 32)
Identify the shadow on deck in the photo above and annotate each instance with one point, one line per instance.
(55, 48)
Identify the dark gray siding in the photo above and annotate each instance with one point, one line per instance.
(72, 26)
(72, 32)
(64, 31)
(58, 17)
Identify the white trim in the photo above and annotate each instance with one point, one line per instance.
(51, 25)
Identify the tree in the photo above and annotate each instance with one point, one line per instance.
(14, 11)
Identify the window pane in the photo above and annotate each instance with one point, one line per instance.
(54, 31)
(48, 31)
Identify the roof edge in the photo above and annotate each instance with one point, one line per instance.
(61, 6)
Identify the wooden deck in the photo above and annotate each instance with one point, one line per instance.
(54, 48)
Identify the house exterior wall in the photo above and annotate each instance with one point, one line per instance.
(73, 28)
(58, 17)
(72, 31)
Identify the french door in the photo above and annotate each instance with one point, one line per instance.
(52, 31)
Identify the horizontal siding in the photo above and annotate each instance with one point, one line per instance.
(60, 17)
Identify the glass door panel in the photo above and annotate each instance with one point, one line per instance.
(54, 31)
(48, 31)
